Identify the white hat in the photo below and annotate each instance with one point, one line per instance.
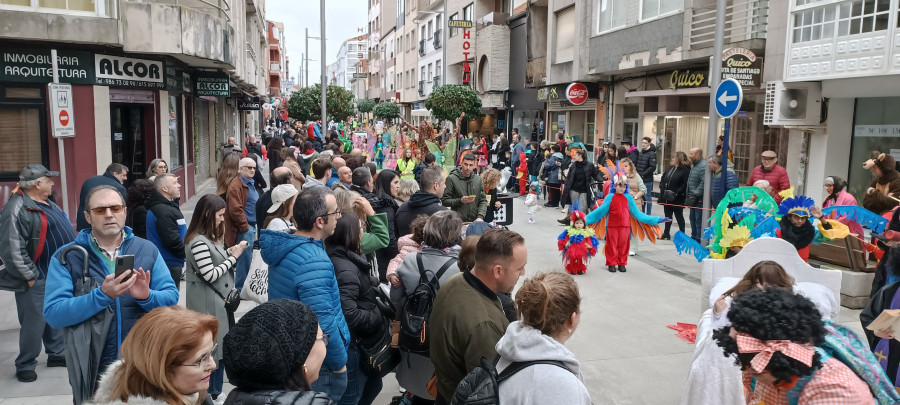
(281, 194)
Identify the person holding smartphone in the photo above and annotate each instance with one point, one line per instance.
(210, 272)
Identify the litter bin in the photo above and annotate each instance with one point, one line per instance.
(504, 216)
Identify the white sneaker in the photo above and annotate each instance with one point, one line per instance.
(630, 253)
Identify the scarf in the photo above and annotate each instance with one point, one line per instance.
(799, 237)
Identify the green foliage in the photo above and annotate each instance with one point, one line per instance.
(447, 102)
(306, 104)
(386, 110)
(366, 105)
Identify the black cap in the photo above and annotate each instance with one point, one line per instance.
(34, 172)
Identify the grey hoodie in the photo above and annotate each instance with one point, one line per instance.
(539, 384)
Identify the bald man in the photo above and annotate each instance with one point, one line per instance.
(240, 215)
(346, 176)
(336, 163)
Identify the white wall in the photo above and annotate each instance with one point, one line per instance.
(103, 128)
(829, 151)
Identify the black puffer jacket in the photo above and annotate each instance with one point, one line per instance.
(277, 397)
(421, 202)
(646, 164)
(352, 272)
(675, 179)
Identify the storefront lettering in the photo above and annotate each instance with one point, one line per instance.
(128, 72)
(467, 70)
(686, 79)
(128, 68)
(35, 66)
(547, 93)
(741, 64)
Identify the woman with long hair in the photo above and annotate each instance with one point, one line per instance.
(364, 319)
(407, 164)
(273, 153)
(209, 271)
(549, 307)
(289, 160)
(490, 179)
(227, 171)
(274, 354)
(674, 188)
(635, 185)
(162, 364)
(387, 187)
(156, 167)
(136, 218)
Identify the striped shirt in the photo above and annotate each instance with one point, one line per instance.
(59, 233)
(205, 266)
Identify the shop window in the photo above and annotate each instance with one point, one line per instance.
(102, 8)
(176, 141)
(23, 130)
(565, 36)
(814, 24)
(612, 14)
(655, 8)
(876, 127)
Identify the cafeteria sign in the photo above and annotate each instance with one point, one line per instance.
(742, 65)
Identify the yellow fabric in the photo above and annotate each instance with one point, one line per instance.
(837, 231)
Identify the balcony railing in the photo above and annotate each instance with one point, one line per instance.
(422, 47)
(421, 87)
(744, 20)
(437, 39)
(437, 81)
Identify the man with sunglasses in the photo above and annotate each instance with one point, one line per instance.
(300, 270)
(115, 175)
(240, 215)
(126, 296)
(33, 228)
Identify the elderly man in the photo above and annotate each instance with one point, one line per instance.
(240, 215)
(345, 174)
(166, 226)
(127, 296)
(115, 175)
(771, 171)
(336, 164)
(33, 228)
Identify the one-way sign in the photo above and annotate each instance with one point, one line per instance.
(729, 96)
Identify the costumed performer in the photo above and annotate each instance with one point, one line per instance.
(522, 173)
(531, 201)
(616, 219)
(884, 189)
(378, 153)
(796, 228)
(578, 244)
(407, 164)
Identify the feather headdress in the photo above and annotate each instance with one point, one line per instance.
(797, 205)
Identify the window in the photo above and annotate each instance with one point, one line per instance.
(351, 48)
(612, 14)
(814, 24)
(655, 8)
(23, 129)
(101, 8)
(430, 31)
(437, 68)
(862, 16)
(424, 34)
(176, 141)
(565, 36)
(468, 12)
(401, 11)
(437, 22)
(423, 73)
(430, 72)
(453, 17)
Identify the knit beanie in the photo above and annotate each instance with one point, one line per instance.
(268, 344)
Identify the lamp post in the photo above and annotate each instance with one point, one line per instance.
(324, 73)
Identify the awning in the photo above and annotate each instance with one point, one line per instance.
(667, 92)
(421, 112)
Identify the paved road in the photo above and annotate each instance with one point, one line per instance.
(628, 356)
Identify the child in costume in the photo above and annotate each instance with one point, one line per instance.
(531, 201)
(616, 219)
(378, 153)
(522, 173)
(578, 244)
(796, 228)
(392, 159)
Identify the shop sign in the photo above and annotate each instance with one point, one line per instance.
(547, 94)
(61, 112)
(687, 79)
(186, 83)
(467, 69)
(249, 104)
(459, 24)
(742, 65)
(876, 130)
(33, 65)
(128, 72)
(212, 85)
(577, 93)
(173, 81)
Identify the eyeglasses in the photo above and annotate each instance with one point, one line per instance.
(102, 210)
(336, 212)
(829, 185)
(203, 360)
(324, 338)
(249, 167)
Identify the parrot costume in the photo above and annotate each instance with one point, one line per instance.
(522, 174)
(577, 245)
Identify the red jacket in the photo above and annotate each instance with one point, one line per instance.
(311, 132)
(777, 178)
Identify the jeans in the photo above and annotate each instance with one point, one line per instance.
(176, 272)
(34, 329)
(648, 198)
(696, 218)
(582, 200)
(216, 380)
(243, 262)
(361, 389)
(331, 383)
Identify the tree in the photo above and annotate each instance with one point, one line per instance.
(366, 105)
(447, 102)
(386, 110)
(306, 104)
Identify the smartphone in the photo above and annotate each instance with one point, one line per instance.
(123, 263)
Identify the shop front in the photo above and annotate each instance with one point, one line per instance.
(574, 109)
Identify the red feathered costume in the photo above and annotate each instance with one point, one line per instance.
(618, 231)
(522, 174)
(577, 245)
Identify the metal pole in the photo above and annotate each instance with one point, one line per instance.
(324, 73)
(716, 70)
(59, 143)
(302, 65)
(307, 57)
(445, 34)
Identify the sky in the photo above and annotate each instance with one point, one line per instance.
(343, 20)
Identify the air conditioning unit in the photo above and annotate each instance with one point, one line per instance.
(793, 104)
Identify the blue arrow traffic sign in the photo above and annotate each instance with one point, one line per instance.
(729, 96)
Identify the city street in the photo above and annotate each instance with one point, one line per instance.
(623, 343)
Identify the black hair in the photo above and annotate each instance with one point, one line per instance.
(309, 207)
(361, 176)
(429, 159)
(383, 183)
(774, 314)
(468, 156)
(346, 232)
(138, 193)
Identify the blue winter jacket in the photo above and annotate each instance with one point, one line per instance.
(61, 308)
(551, 170)
(299, 269)
(731, 182)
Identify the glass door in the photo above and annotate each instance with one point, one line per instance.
(127, 124)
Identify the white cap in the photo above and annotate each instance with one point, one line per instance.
(281, 194)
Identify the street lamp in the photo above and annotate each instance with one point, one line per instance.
(306, 55)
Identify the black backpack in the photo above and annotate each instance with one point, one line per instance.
(482, 385)
(417, 309)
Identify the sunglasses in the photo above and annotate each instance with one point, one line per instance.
(102, 210)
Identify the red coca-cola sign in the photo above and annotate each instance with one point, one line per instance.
(577, 93)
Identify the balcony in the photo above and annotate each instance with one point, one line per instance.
(437, 39)
(274, 67)
(744, 20)
(437, 82)
(274, 91)
(421, 87)
(422, 47)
